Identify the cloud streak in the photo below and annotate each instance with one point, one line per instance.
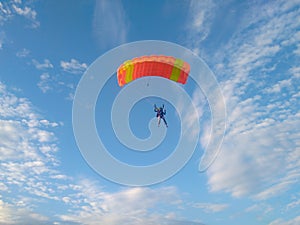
(29, 166)
(128, 206)
(27, 159)
(199, 21)
(9, 214)
(293, 221)
(10, 9)
(42, 66)
(110, 28)
(259, 156)
(263, 131)
(210, 207)
(73, 67)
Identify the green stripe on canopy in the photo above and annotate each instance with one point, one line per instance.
(176, 70)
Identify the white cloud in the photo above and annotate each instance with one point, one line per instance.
(27, 146)
(10, 134)
(261, 208)
(11, 214)
(92, 205)
(293, 221)
(45, 83)
(23, 53)
(48, 123)
(41, 66)
(282, 184)
(73, 66)
(211, 207)
(194, 116)
(110, 28)
(12, 106)
(29, 168)
(297, 50)
(54, 83)
(259, 156)
(5, 12)
(10, 9)
(293, 204)
(28, 13)
(2, 39)
(295, 71)
(277, 88)
(199, 20)
(70, 97)
(41, 135)
(3, 187)
(261, 38)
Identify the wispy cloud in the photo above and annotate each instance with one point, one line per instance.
(293, 204)
(199, 21)
(109, 24)
(26, 12)
(91, 205)
(2, 39)
(262, 208)
(44, 65)
(295, 71)
(5, 12)
(277, 88)
(29, 167)
(27, 147)
(23, 53)
(74, 66)
(293, 221)
(49, 81)
(210, 207)
(260, 151)
(263, 129)
(9, 214)
(193, 116)
(11, 8)
(45, 83)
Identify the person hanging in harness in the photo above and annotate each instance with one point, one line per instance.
(160, 114)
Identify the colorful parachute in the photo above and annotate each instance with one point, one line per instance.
(155, 65)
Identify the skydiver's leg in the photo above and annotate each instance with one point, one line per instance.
(165, 121)
(158, 120)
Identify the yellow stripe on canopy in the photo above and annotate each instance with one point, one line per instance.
(129, 70)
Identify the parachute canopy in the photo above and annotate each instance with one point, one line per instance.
(155, 65)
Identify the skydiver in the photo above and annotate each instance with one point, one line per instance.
(160, 114)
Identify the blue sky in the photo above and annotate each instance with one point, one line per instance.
(252, 48)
